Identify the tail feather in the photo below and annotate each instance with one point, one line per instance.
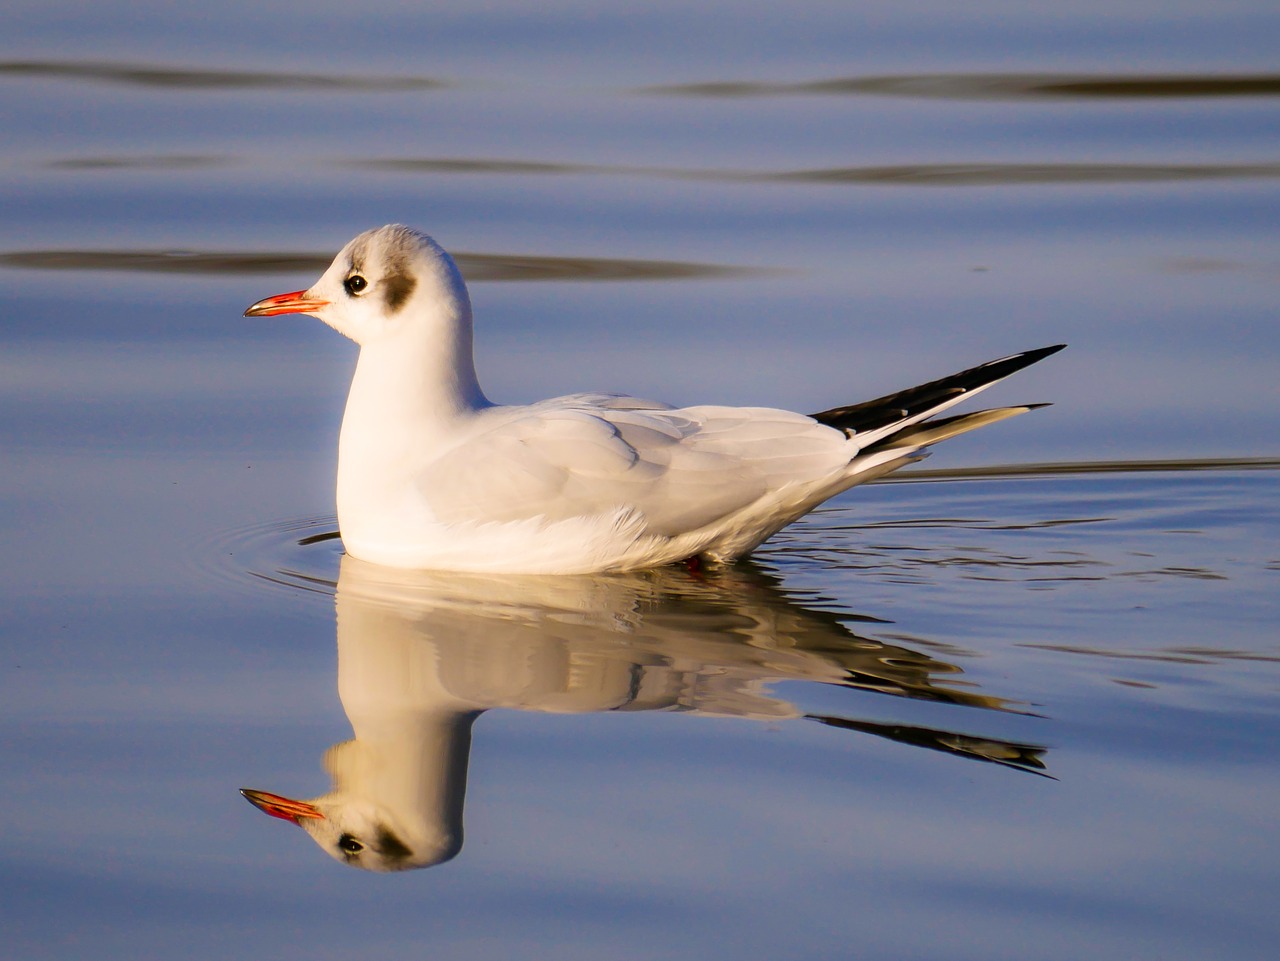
(931, 431)
(915, 403)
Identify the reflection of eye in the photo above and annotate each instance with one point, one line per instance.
(349, 844)
(354, 284)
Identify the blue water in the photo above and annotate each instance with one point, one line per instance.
(837, 750)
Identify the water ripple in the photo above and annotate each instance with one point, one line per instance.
(970, 174)
(1170, 655)
(1005, 174)
(976, 174)
(476, 267)
(997, 86)
(152, 162)
(146, 75)
(1056, 468)
(948, 86)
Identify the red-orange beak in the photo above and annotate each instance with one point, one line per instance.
(291, 303)
(277, 806)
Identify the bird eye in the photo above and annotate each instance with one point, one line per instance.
(354, 284)
(349, 844)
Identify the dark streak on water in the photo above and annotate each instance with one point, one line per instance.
(954, 86)
(986, 174)
(1169, 655)
(158, 162)
(476, 267)
(975, 174)
(148, 75)
(999, 86)
(1083, 467)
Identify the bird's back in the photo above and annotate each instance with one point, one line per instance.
(680, 470)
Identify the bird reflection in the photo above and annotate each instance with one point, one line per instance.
(421, 655)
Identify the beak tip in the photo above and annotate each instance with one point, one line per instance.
(287, 809)
(295, 302)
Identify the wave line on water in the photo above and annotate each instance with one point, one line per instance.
(994, 86)
(972, 174)
(168, 77)
(476, 267)
(976, 173)
(1052, 468)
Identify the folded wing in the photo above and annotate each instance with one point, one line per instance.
(587, 455)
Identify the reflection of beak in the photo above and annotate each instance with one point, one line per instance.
(291, 303)
(277, 806)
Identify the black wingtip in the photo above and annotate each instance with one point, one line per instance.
(1046, 351)
(1005, 366)
(883, 411)
(1040, 353)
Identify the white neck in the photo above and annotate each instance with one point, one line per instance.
(411, 389)
(413, 767)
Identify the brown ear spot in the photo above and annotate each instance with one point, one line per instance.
(392, 847)
(397, 287)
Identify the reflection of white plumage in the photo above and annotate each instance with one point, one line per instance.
(421, 655)
(432, 475)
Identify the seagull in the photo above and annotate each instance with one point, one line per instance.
(432, 475)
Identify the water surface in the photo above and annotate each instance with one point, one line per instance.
(1020, 704)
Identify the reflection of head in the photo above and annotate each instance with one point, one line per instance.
(422, 655)
(358, 828)
(351, 833)
(356, 832)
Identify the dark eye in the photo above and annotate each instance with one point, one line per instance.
(354, 284)
(349, 844)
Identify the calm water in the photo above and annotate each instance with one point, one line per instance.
(999, 710)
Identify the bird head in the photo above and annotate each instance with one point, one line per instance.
(383, 282)
(355, 831)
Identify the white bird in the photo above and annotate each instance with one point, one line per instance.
(432, 475)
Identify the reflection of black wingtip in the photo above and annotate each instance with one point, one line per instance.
(929, 690)
(1011, 754)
